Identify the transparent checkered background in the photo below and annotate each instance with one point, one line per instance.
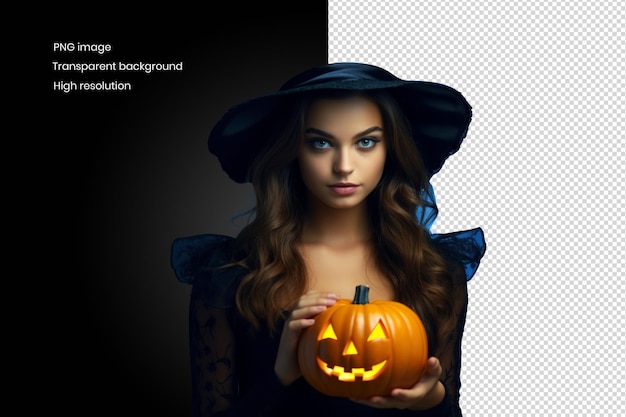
(541, 171)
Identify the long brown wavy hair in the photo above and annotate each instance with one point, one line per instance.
(277, 272)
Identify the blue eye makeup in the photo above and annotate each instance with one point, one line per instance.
(368, 143)
(319, 143)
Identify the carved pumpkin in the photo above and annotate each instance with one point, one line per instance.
(359, 349)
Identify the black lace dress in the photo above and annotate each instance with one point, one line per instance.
(232, 365)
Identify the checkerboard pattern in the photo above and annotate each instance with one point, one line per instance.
(541, 171)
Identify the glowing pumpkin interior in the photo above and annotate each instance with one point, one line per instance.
(379, 333)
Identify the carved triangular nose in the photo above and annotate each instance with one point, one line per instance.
(350, 349)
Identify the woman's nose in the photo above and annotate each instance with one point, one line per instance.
(343, 163)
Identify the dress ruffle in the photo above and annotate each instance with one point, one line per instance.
(201, 260)
(466, 247)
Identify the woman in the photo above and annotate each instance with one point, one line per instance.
(340, 159)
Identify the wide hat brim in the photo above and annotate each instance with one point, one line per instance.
(439, 115)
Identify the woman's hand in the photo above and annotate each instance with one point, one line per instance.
(301, 317)
(425, 394)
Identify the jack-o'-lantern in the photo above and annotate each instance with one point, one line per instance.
(358, 349)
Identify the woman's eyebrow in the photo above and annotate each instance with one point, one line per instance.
(312, 130)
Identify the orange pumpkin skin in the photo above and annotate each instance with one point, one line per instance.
(360, 349)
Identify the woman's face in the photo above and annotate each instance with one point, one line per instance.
(343, 153)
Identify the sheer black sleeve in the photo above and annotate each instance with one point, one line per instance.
(464, 251)
(450, 354)
(213, 361)
(214, 348)
(214, 368)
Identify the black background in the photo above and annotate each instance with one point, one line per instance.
(122, 174)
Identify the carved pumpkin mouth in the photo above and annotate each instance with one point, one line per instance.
(342, 375)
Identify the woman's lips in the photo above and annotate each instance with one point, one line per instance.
(344, 189)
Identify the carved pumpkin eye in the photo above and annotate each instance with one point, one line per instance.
(329, 333)
(379, 332)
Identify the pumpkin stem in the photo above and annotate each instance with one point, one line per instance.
(361, 295)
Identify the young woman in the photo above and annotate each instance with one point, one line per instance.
(340, 159)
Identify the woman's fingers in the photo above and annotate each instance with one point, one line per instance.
(302, 316)
(427, 381)
(424, 394)
(316, 298)
(308, 307)
(306, 312)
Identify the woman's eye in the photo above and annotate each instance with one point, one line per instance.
(368, 142)
(319, 143)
